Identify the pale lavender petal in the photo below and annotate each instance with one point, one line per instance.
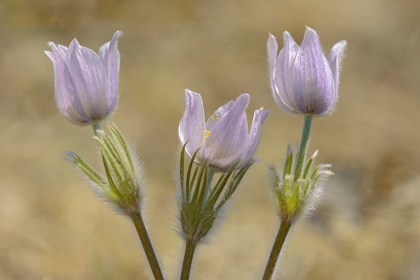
(313, 80)
(67, 98)
(254, 136)
(90, 79)
(283, 74)
(51, 56)
(192, 126)
(334, 58)
(227, 140)
(272, 49)
(218, 114)
(103, 55)
(63, 50)
(110, 57)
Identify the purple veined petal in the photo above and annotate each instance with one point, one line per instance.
(254, 136)
(192, 127)
(63, 50)
(90, 79)
(110, 57)
(67, 98)
(313, 80)
(103, 55)
(217, 115)
(227, 140)
(272, 50)
(334, 58)
(50, 56)
(283, 74)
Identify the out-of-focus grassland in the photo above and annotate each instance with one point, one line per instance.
(366, 227)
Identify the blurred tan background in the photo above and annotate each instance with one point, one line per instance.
(366, 227)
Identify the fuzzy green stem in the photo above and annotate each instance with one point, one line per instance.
(275, 251)
(303, 146)
(210, 175)
(188, 258)
(96, 126)
(147, 246)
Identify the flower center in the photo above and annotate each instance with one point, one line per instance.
(210, 124)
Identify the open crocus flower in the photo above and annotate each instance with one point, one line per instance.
(86, 85)
(224, 140)
(303, 80)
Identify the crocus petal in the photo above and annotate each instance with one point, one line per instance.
(217, 115)
(192, 127)
(272, 49)
(63, 50)
(313, 81)
(254, 136)
(227, 140)
(283, 74)
(67, 98)
(51, 56)
(110, 57)
(90, 79)
(334, 58)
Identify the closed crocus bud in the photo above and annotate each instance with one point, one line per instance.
(86, 84)
(303, 80)
(224, 140)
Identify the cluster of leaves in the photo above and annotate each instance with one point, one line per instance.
(296, 195)
(123, 174)
(200, 203)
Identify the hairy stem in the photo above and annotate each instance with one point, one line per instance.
(303, 146)
(96, 126)
(147, 246)
(210, 175)
(188, 258)
(275, 251)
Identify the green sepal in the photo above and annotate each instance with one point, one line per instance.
(198, 209)
(122, 185)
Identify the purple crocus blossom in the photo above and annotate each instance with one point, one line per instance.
(86, 84)
(224, 140)
(303, 80)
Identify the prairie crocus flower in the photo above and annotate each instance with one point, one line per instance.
(303, 80)
(224, 140)
(86, 84)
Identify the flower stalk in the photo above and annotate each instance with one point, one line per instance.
(303, 145)
(147, 245)
(282, 234)
(96, 127)
(188, 258)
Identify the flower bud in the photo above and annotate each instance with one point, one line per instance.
(303, 80)
(86, 85)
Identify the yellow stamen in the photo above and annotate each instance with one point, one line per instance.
(206, 134)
